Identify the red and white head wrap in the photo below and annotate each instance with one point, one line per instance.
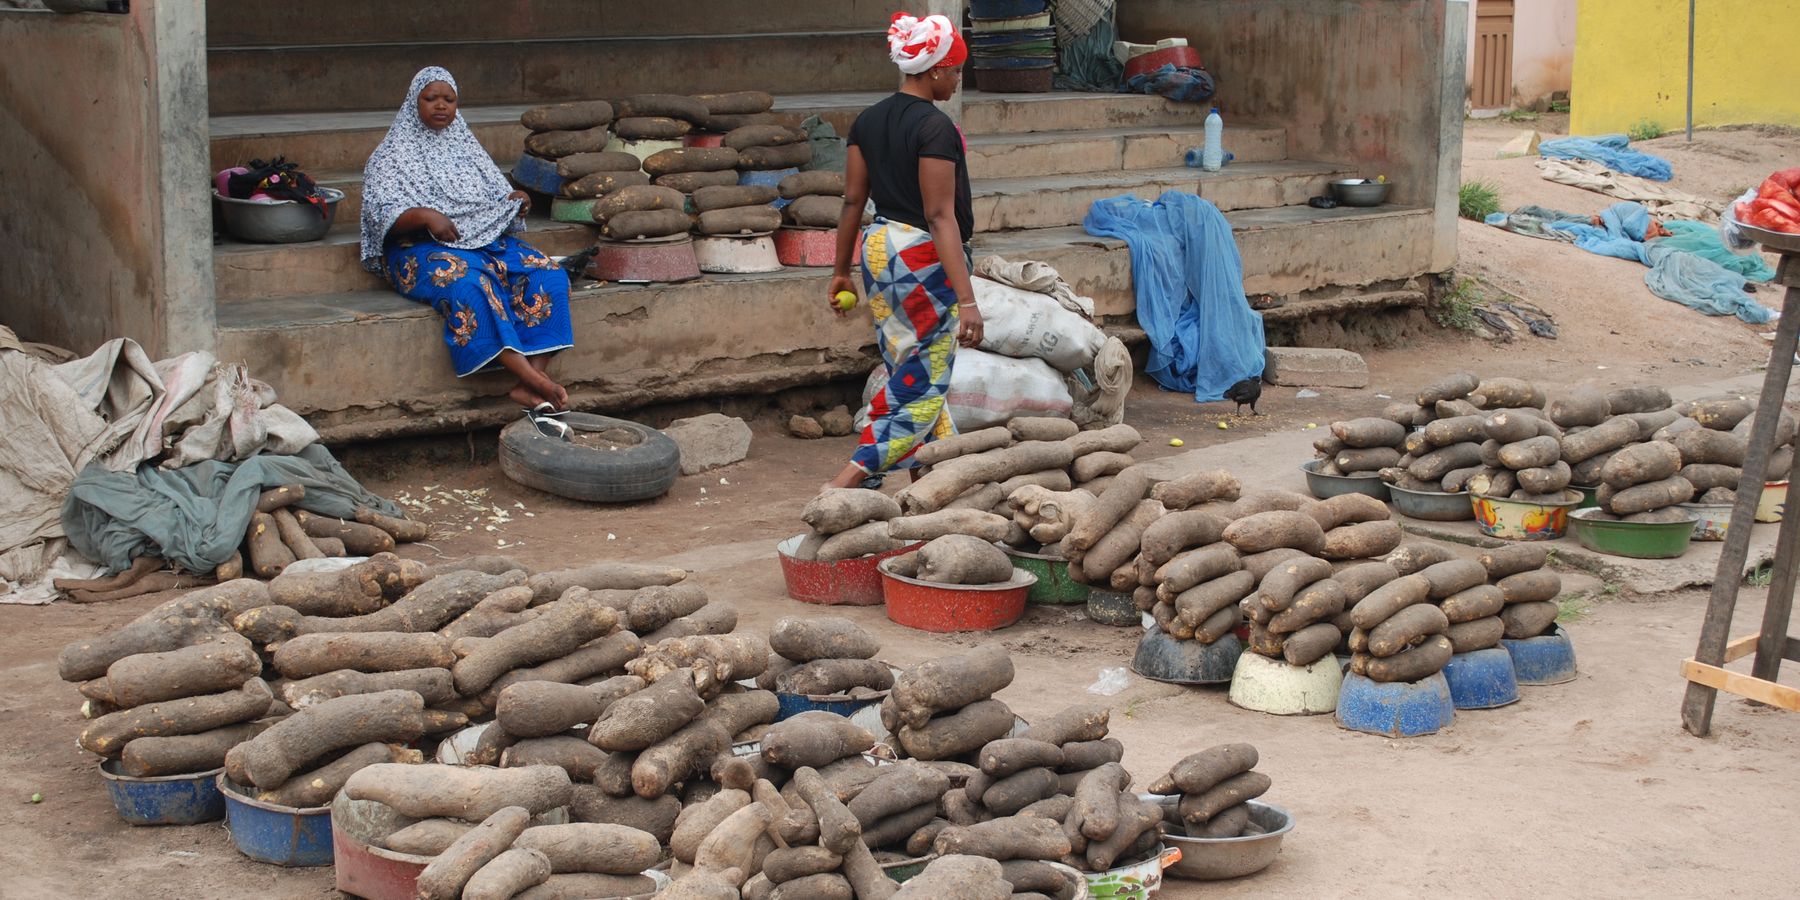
(920, 45)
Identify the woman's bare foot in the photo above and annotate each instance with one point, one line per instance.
(533, 380)
(524, 396)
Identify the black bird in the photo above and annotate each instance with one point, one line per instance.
(1244, 392)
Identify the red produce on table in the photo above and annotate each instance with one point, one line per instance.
(1777, 203)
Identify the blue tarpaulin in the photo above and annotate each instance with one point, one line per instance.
(1204, 337)
(1612, 151)
(1690, 267)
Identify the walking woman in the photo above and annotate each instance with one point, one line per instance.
(437, 219)
(910, 157)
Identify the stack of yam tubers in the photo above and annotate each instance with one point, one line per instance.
(1400, 631)
(561, 131)
(1461, 423)
(1214, 788)
(1646, 461)
(282, 532)
(944, 708)
(485, 833)
(294, 684)
(765, 148)
(824, 656)
(847, 523)
(815, 198)
(1361, 447)
(1310, 566)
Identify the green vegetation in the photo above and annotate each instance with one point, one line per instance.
(1477, 200)
(1761, 575)
(1519, 115)
(1644, 130)
(1455, 307)
(1572, 608)
(1559, 106)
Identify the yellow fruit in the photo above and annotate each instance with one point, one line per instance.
(846, 300)
(1175, 442)
(1223, 426)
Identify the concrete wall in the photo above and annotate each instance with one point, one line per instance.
(1631, 64)
(1369, 82)
(97, 114)
(1543, 49)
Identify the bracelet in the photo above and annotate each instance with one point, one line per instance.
(970, 304)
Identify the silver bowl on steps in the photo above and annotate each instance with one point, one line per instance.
(1360, 191)
(279, 221)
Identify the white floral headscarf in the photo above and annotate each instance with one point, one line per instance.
(446, 170)
(917, 45)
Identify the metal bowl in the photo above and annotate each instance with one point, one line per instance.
(1360, 191)
(281, 222)
(1325, 486)
(1432, 506)
(1215, 859)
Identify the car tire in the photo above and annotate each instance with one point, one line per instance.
(640, 470)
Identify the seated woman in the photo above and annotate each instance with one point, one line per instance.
(437, 219)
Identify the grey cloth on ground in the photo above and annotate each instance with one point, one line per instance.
(195, 517)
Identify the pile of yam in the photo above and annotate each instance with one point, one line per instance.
(1361, 447)
(1209, 792)
(847, 523)
(824, 657)
(294, 684)
(944, 708)
(1461, 423)
(1646, 462)
(815, 199)
(563, 130)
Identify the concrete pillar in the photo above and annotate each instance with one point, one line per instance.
(178, 29)
(953, 9)
(1452, 90)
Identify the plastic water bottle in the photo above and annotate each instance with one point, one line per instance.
(1212, 158)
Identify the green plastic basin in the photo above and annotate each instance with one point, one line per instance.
(1638, 540)
(1054, 586)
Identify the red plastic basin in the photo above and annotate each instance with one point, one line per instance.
(955, 607)
(848, 582)
(1179, 57)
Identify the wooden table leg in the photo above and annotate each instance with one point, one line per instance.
(1697, 705)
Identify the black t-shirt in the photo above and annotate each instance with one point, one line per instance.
(893, 135)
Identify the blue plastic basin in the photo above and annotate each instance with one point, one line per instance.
(164, 799)
(791, 705)
(282, 835)
(1482, 679)
(1398, 709)
(535, 174)
(1546, 659)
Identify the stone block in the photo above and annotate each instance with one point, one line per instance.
(1314, 367)
(1525, 144)
(709, 441)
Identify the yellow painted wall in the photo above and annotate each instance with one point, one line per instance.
(1631, 64)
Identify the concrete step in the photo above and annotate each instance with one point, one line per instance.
(344, 139)
(1285, 251)
(367, 363)
(1038, 154)
(1005, 204)
(375, 76)
(253, 23)
(1044, 153)
(252, 271)
(247, 272)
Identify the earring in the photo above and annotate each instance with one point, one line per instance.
(935, 76)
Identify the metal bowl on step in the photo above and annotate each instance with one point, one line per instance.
(278, 221)
(1360, 191)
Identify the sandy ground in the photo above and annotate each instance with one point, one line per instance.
(1584, 789)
